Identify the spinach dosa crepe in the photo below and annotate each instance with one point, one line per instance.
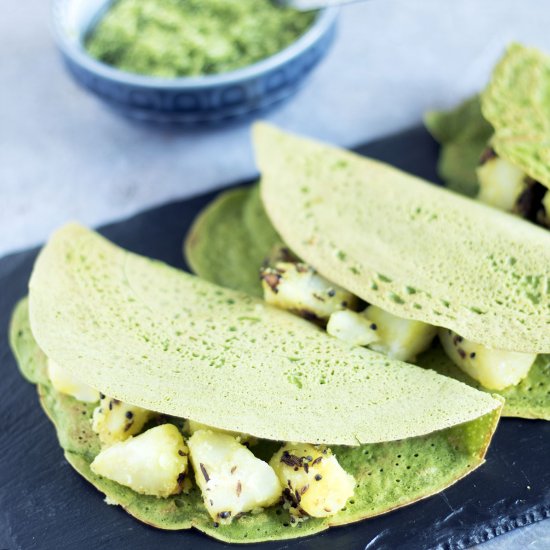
(208, 397)
(424, 260)
(497, 145)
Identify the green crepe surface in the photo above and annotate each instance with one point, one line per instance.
(151, 335)
(239, 212)
(463, 134)
(517, 104)
(529, 399)
(410, 247)
(230, 250)
(388, 475)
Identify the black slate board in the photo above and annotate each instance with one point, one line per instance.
(45, 505)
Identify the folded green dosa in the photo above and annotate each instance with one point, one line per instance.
(235, 238)
(514, 109)
(155, 337)
(412, 248)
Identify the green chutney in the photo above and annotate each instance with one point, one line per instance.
(173, 38)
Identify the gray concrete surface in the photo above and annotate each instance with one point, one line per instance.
(63, 156)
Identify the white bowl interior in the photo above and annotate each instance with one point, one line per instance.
(77, 16)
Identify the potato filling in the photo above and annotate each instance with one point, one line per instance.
(314, 482)
(507, 187)
(381, 331)
(152, 463)
(299, 288)
(232, 480)
(65, 383)
(492, 368)
(115, 421)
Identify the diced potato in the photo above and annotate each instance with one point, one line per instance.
(152, 463)
(300, 289)
(352, 327)
(493, 369)
(246, 439)
(315, 483)
(115, 421)
(66, 383)
(399, 338)
(500, 183)
(231, 478)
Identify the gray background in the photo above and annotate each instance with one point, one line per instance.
(63, 156)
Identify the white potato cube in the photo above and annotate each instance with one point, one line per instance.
(500, 183)
(315, 483)
(299, 288)
(152, 463)
(352, 327)
(115, 421)
(493, 369)
(246, 439)
(66, 383)
(399, 338)
(231, 478)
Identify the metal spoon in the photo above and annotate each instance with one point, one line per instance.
(307, 5)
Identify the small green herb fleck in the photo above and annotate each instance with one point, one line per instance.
(341, 255)
(253, 319)
(396, 298)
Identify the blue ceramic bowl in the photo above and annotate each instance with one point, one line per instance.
(192, 101)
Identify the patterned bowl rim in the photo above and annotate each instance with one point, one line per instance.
(73, 49)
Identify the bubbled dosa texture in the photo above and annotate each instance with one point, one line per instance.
(388, 475)
(153, 336)
(414, 249)
(517, 104)
(222, 247)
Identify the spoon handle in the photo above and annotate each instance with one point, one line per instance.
(306, 5)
